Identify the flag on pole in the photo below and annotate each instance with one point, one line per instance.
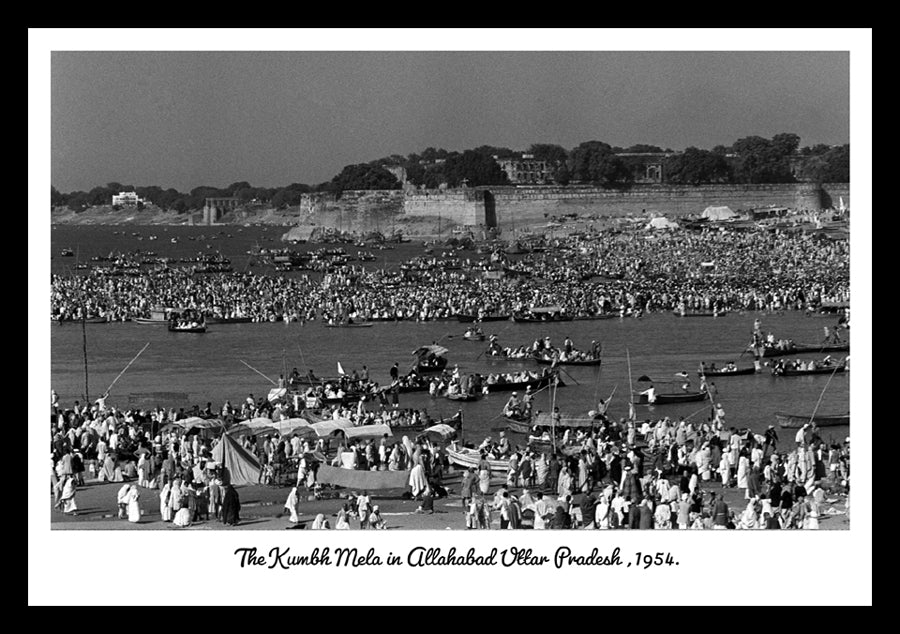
(340, 369)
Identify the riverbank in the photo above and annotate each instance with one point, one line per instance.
(262, 509)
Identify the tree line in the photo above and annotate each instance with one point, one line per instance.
(750, 159)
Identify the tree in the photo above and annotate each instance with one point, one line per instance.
(595, 162)
(786, 143)
(722, 150)
(363, 176)
(832, 166)
(643, 148)
(474, 169)
(491, 151)
(56, 199)
(695, 166)
(762, 161)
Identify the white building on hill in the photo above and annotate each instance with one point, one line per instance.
(126, 199)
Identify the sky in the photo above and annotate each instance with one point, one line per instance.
(185, 119)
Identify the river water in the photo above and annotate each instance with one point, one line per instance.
(208, 367)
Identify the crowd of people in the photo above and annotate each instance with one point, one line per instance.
(663, 474)
(591, 275)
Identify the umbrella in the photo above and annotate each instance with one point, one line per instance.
(644, 379)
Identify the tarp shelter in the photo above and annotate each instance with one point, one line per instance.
(368, 431)
(241, 466)
(441, 431)
(328, 427)
(362, 480)
(284, 427)
(718, 213)
(662, 223)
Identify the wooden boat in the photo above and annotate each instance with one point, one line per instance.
(546, 446)
(534, 384)
(769, 352)
(479, 337)
(454, 421)
(546, 361)
(89, 320)
(699, 313)
(466, 457)
(792, 421)
(542, 319)
(823, 370)
(596, 317)
(361, 324)
(670, 399)
(470, 318)
(192, 329)
(229, 320)
(518, 425)
(720, 372)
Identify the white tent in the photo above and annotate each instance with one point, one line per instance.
(662, 223)
(718, 213)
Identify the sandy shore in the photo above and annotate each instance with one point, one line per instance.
(262, 509)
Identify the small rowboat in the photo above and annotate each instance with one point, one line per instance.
(792, 421)
(89, 320)
(546, 361)
(363, 324)
(670, 399)
(229, 320)
(521, 385)
(470, 458)
(474, 337)
(721, 372)
(699, 314)
(769, 352)
(825, 370)
(193, 329)
(518, 425)
(149, 321)
(471, 318)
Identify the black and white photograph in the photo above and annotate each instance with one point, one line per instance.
(372, 289)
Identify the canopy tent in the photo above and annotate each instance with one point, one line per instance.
(284, 427)
(662, 223)
(435, 350)
(368, 431)
(545, 419)
(241, 466)
(362, 480)
(718, 213)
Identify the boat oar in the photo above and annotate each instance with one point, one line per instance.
(258, 372)
(126, 368)
(819, 402)
(571, 377)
